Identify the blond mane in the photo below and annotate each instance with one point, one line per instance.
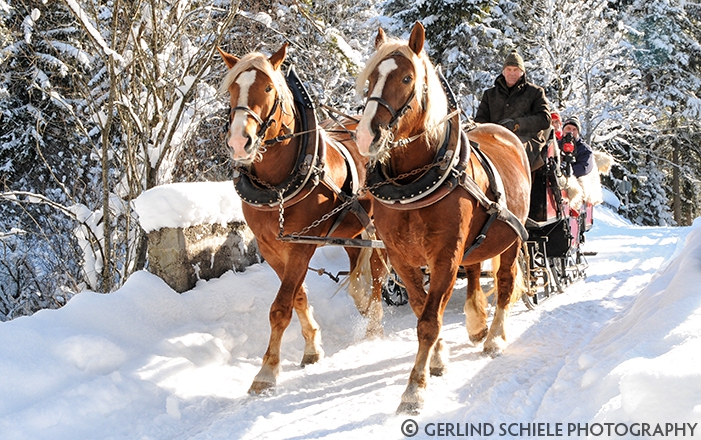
(436, 101)
(257, 60)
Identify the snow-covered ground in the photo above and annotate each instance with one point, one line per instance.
(619, 351)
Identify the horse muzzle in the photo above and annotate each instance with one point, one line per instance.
(372, 142)
(245, 149)
(381, 144)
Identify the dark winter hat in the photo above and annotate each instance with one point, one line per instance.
(573, 120)
(514, 59)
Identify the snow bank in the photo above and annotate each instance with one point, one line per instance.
(643, 367)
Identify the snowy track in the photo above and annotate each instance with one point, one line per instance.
(147, 363)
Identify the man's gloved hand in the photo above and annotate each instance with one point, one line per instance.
(510, 124)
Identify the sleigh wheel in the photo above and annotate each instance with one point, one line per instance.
(393, 292)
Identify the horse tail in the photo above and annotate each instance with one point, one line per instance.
(519, 279)
(496, 261)
(360, 281)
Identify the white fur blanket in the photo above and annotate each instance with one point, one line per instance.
(588, 187)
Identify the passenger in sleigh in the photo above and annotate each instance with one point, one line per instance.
(582, 154)
(556, 123)
(580, 166)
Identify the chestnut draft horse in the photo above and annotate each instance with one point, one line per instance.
(283, 158)
(437, 197)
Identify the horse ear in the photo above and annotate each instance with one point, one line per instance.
(380, 38)
(417, 38)
(278, 57)
(229, 59)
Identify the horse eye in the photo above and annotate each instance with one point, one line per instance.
(407, 79)
(268, 89)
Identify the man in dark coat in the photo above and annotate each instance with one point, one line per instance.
(519, 106)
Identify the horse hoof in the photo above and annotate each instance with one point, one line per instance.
(409, 408)
(259, 388)
(310, 358)
(479, 337)
(374, 333)
(493, 352)
(438, 371)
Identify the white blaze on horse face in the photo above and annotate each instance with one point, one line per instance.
(238, 134)
(364, 134)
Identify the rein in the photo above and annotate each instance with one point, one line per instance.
(284, 137)
(402, 142)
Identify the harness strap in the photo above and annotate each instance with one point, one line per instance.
(348, 158)
(495, 211)
(495, 183)
(493, 207)
(354, 206)
(341, 195)
(482, 235)
(396, 114)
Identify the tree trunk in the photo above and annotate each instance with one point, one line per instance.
(676, 186)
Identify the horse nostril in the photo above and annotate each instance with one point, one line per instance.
(249, 147)
(384, 137)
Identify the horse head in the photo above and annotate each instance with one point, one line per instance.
(260, 102)
(404, 96)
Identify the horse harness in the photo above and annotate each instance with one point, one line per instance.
(443, 175)
(308, 172)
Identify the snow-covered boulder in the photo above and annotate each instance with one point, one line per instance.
(195, 231)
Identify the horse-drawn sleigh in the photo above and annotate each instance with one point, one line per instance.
(442, 200)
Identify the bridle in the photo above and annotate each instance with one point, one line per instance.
(386, 135)
(263, 125)
(396, 114)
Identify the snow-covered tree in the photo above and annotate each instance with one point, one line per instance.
(141, 108)
(667, 48)
(40, 135)
(41, 151)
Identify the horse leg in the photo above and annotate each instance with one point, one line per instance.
(417, 300)
(475, 305)
(509, 282)
(431, 355)
(310, 329)
(358, 279)
(439, 357)
(279, 316)
(413, 280)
